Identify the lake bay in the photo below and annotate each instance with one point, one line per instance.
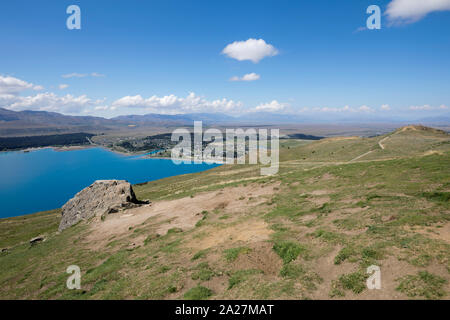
(45, 179)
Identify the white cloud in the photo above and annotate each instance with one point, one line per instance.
(82, 75)
(7, 99)
(247, 77)
(273, 106)
(10, 89)
(252, 49)
(63, 86)
(427, 107)
(408, 11)
(333, 109)
(172, 104)
(347, 108)
(101, 108)
(74, 75)
(97, 75)
(360, 29)
(365, 109)
(49, 101)
(11, 85)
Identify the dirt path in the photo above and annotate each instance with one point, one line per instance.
(181, 213)
(360, 156)
(380, 143)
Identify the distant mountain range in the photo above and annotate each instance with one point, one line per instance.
(43, 122)
(178, 118)
(444, 119)
(19, 123)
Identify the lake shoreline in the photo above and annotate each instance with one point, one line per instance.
(144, 155)
(74, 148)
(191, 160)
(49, 176)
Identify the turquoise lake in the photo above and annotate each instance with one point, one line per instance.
(45, 179)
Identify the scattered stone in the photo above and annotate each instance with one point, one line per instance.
(99, 199)
(36, 240)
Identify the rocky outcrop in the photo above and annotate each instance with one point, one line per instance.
(97, 200)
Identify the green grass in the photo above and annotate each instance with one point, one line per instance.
(288, 250)
(198, 293)
(423, 285)
(352, 223)
(203, 272)
(423, 260)
(163, 269)
(199, 254)
(355, 281)
(233, 253)
(241, 276)
(21, 229)
(174, 230)
(202, 220)
(443, 197)
(299, 273)
(329, 236)
(150, 238)
(345, 254)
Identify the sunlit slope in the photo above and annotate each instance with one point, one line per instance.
(404, 142)
(412, 141)
(308, 232)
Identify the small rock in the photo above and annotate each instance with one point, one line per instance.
(36, 240)
(131, 246)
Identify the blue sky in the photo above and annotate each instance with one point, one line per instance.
(129, 51)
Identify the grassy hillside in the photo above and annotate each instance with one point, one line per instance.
(336, 207)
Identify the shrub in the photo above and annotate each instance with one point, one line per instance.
(344, 254)
(355, 282)
(288, 250)
(199, 254)
(424, 284)
(233, 253)
(198, 293)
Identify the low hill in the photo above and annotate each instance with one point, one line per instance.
(405, 141)
(336, 207)
(58, 140)
(20, 123)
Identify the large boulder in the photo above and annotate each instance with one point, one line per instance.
(97, 200)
